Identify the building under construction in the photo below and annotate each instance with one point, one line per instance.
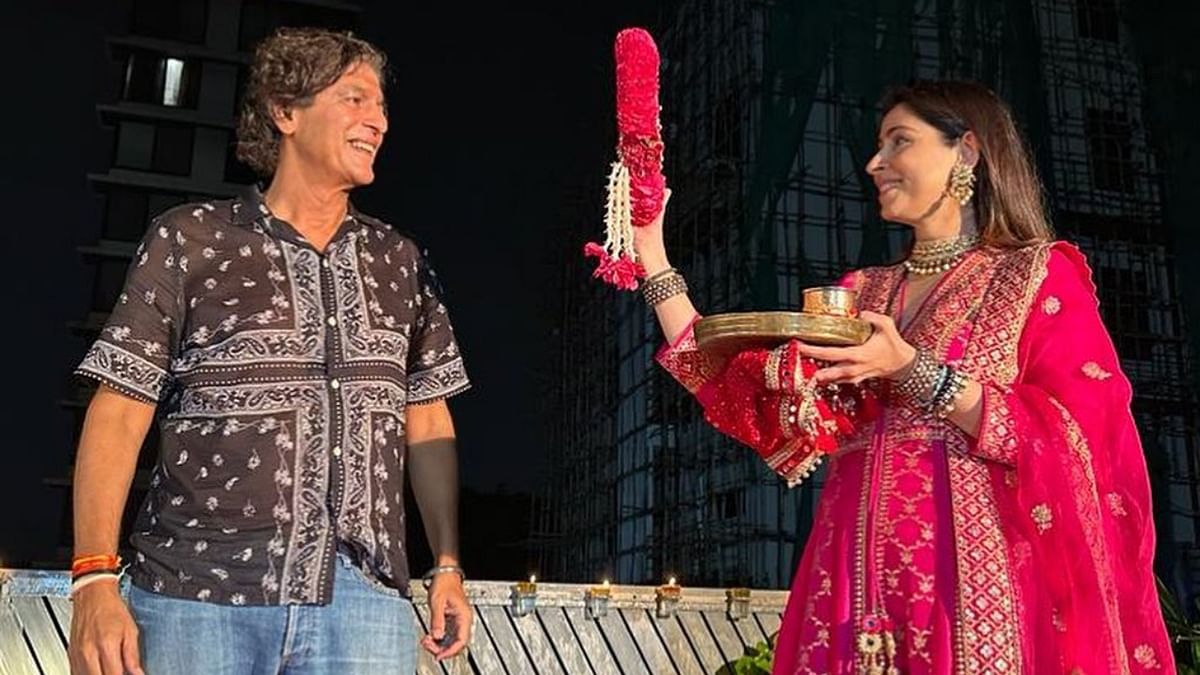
(770, 114)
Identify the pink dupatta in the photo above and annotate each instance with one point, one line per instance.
(1075, 504)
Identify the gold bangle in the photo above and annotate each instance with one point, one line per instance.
(660, 274)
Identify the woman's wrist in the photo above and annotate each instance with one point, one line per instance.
(909, 360)
(655, 264)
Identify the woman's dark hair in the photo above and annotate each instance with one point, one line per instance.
(1009, 205)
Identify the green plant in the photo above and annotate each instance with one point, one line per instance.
(1183, 631)
(756, 660)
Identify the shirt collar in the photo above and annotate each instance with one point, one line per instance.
(250, 207)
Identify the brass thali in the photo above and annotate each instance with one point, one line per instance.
(738, 331)
(830, 318)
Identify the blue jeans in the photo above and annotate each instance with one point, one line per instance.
(365, 630)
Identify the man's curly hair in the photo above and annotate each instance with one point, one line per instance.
(291, 67)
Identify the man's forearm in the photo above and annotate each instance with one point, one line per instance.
(113, 432)
(433, 470)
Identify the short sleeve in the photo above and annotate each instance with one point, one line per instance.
(134, 349)
(435, 365)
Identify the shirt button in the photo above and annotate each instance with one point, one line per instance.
(335, 384)
(337, 451)
(332, 321)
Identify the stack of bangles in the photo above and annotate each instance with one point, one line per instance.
(88, 569)
(662, 286)
(934, 387)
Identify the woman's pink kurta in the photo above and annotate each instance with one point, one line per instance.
(1027, 550)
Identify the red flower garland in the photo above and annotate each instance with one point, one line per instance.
(637, 184)
(640, 130)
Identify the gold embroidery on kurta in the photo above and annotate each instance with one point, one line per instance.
(987, 627)
(1043, 517)
(1094, 371)
(998, 440)
(1116, 504)
(687, 364)
(1146, 657)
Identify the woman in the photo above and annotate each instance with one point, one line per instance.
(995, 516)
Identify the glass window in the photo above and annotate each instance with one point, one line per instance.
(1110, 150)
(151, 77)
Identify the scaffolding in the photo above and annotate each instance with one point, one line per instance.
(1107, 196)
(769, 117)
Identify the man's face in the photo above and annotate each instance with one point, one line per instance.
(337, 136)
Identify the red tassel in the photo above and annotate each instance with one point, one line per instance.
(620, 272)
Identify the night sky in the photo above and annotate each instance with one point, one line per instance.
(495, 114)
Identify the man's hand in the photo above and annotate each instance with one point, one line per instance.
(450, 617)
(104, 638)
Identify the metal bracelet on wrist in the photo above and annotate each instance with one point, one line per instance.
(660, 274)
(944, 375)
(947, 397)
(940, 387)
(917, 386)
(662, 288)
(427, 580)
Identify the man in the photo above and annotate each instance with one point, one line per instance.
(299, 355)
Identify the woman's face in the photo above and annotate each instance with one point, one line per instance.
(911, 167)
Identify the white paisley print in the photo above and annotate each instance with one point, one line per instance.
(281, 375)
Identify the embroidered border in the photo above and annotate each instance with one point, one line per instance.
(988, 630)
(1090, 514)
(997, 433)
(686, 363)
